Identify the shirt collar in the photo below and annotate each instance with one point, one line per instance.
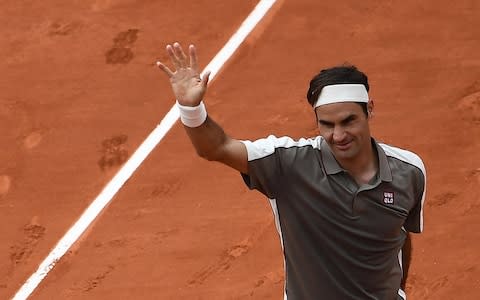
(383, 166)
(332, 167)
(329, 162)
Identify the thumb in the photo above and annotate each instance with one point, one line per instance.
(206, 78)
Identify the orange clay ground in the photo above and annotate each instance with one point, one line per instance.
(79, 92)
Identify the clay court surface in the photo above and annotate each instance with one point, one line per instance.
(79, 92)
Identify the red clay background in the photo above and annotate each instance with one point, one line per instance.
(79, 92)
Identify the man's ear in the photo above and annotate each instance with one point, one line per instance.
(316, 116)
(370, 106)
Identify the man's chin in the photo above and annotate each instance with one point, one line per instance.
(344, 155)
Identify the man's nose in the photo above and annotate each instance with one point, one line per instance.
(338, 134)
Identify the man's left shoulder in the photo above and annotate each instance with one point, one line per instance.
(403, 155)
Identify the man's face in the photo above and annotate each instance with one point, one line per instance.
(345, 128)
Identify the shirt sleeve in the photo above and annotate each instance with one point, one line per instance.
(263, 166)
(270, 159)
(414, 221)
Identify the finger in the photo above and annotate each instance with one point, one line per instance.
(165, 69)
(193, 57)
(173, 57)
(206, 78)
(182, 58)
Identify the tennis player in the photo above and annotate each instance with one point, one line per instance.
(343, 202)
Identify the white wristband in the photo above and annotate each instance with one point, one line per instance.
(192, 116)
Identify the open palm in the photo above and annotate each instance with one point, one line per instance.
(187, 85)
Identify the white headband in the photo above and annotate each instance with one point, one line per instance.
(342, 93)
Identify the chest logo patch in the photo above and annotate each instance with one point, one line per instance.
(388, 197)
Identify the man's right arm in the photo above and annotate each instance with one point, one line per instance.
(208, 138)
(211, 143)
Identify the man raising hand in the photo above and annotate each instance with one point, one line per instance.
(343, 203)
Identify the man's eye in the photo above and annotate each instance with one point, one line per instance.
(348, 122)
(326, 125)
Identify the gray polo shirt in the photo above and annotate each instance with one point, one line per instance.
(340, 240)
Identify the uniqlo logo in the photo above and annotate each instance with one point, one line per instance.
(388, 197)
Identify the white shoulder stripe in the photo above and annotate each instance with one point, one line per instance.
(404, 155)
(412, 159)
(266, 146)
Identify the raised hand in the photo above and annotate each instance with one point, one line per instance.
(187, 85)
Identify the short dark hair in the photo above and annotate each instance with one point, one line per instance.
(343, 74)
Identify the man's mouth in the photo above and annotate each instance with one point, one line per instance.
(343, 146)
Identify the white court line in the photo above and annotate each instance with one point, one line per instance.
(137, 158)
